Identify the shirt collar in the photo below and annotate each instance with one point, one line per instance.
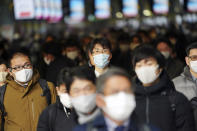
(112, 125)
(98, 74)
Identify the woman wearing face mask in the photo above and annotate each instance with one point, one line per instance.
(3, 72)
(99, 52)
(59, 116)
(157, 102)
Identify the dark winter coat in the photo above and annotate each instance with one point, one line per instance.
(160, 105)
(54, 118)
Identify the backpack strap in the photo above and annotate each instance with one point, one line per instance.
(3, 113)
(46, 90)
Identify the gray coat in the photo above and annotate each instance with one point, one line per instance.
(185, 84)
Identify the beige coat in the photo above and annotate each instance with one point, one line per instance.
(24, 105)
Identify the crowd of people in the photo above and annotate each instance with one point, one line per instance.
(108, 81)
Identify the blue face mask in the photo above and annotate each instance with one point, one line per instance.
(101, 60)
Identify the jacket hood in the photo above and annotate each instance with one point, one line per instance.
(164, 84)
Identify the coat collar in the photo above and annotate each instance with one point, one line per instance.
(12, 83)
(187, 74)
(164, 84)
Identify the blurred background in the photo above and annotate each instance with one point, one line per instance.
(61, 17)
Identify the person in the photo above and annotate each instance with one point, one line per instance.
(71, 50)
(54, 61)
(99, 53)
(123, 60)
(76, 104)
(115, 97)
(23, 99)
(82, 92)
(3, 72)
(155, 93)
(186, 82)
(59, 116)
(166, 49)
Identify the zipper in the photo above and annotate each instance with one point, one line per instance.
(33, 110)
(147, 109)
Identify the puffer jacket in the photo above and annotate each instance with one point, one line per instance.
(185, 84)
(163, 107)
(23, 105)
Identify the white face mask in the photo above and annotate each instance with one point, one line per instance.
(101, 60)
(119, 106)
(166, 54)
(72, 55)
(147, 74)
(193, 65)
(24, 75)
(3, 76)
(65, 99)
(84, 103)
(47, 61)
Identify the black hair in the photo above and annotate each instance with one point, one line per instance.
(52, 48)
(147, 51)
(165, 40)
(191, 46)
(61, 78)
(17, 53)
(71, 42)
(83, 73)
(104, 42)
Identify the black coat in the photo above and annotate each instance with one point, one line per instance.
(156, 107)
(54, 118)
(55, 67)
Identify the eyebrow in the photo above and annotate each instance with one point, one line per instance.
(23, 64)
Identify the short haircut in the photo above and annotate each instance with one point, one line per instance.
(147, 51)
(100, 83)
(191, 46)
(82, 73)
(61, 78)
(52, 48)
(104, 42)
(17, 54)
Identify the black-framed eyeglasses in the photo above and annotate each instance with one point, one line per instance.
(18, 68)
(193, 58)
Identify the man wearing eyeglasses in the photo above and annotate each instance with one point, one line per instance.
(23, 100)
(186, 83)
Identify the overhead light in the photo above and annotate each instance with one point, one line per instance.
(147, 13)
(119, 15)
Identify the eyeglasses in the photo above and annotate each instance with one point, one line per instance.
(97, 51)
(193, 58)
(18, 68)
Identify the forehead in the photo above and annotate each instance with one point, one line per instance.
(19, 60)
(193, 52)
(162, 45)
(98, 46)
(80, 83)
(149, 59)
(117, 83)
